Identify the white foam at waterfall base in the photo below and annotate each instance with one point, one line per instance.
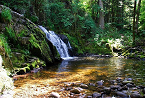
(57, 42)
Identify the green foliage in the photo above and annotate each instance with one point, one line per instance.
(10, 35)
(112, 37)
(3, 43)
(6, 15)
(34, 18)
(142, 17)
(21, 34)
(58, 16)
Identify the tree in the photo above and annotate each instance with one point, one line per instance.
(136, 15)
(134, 20)
(142, 16)
(101, 14)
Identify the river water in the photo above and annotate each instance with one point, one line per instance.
(85, 70)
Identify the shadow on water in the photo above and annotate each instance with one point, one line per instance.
(90, 70)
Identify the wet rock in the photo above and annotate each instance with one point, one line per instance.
(76, 90)
(84, 86)
(112, 81)
(141, 87)
(125, 87)
(54, 95)
(143, 90)
(89, 97)
(119, 89)
(91, 84)
(67, 84)
(119, 79)
(100, 83)
(68, 88)
(129, 79)
(120, 84)
(35, 70)
(125, 82)
(114, 86)
(76, 84)
(129, 85)
(107, 90)
(135, 95)
(121, 94)
(96, 95)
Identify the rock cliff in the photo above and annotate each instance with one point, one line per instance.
(26, 41)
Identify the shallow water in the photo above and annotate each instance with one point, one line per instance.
(89, 70)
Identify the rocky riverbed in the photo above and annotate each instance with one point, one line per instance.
(85, 78)
(62, 88)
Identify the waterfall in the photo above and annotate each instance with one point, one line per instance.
(57, 42)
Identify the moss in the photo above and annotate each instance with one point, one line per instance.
(26, 39)
(142, 56)
(6, 15)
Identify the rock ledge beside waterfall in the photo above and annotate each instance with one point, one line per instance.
(26, 42)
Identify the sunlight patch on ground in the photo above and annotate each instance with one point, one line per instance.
(44, 86)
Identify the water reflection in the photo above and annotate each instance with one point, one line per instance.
(105, 68)
(92, 69)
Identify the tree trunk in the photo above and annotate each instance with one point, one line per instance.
(134, 20)
(137, 17)
(101, 15)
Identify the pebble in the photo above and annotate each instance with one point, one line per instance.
(100, 83)
(96, 95)
(107, 90)
(129, 85)
(114, 86)
(84, 86)
(91, 84)
(112, 81)
(54, 95)
(76, 90)
(135, 95)
(121, 94)
(129, 79)
(89, 97)
(125, 82)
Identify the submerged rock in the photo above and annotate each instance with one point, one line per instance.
(135, 95)
(96, 95)
(54, 95)
(121, 94)
(84, 86)
(100, 83)
(76, 90)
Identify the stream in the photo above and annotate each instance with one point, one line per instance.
(79, 70)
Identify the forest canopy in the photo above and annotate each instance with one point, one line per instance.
(87, 22)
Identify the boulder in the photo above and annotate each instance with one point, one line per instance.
(6, 83)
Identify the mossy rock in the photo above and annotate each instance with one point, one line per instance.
(28, 36)
(33, 62)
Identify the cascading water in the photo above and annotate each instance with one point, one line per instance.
(57, 42)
